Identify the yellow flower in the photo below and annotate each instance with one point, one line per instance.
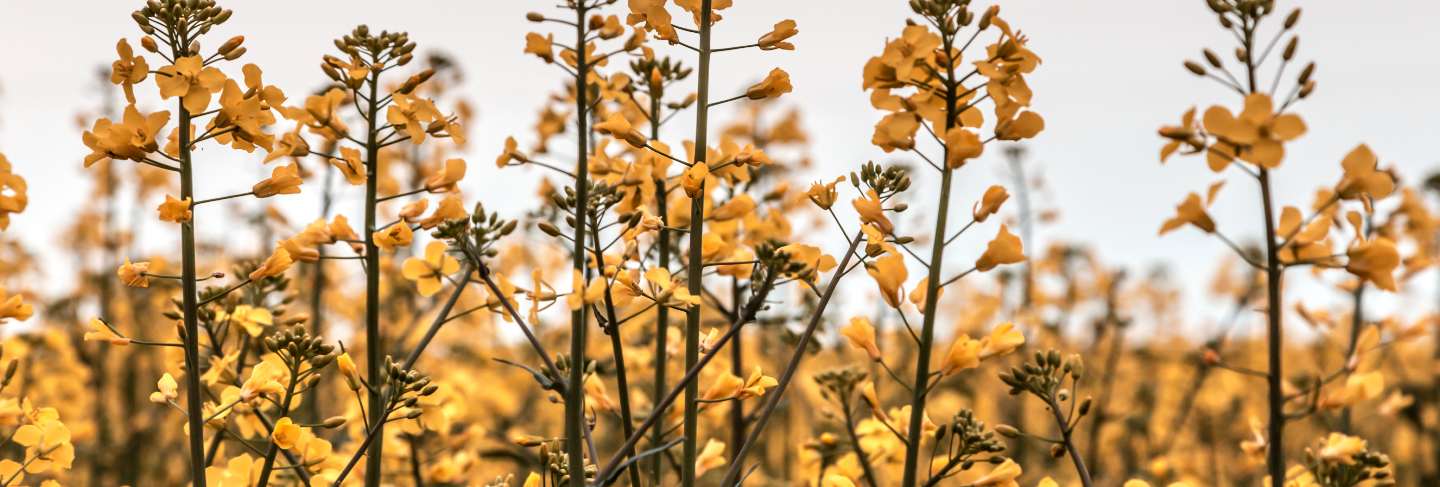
(283, 180)
(133, 274)
(166, 390)
(964, 354)
(811, 257)
(775, 39)
(1257, 135)
(450, 208)
(1362, 180)
(1003, 475)
(131, 139)
(542, 46)
(1004, 249)
(1026, 125)
(1002, 340)
(291, 144)
(1191, 211)
(775, 84)
(1340, 448)
(239, 471)
(428, 272)
(46, 442)
(693, 180)
(862, 336)
(413, 115)
(190, 80)
(896, 131)
(14, 307)
(174, 210)
(12, 193)
(990, 203)
(128, 70)
(278, 262)
(756, 384)
(666, 290)
(710, 457)
(350, 165)
(1187, 134)
(444, 180)
(617, 126)
(99, 332)
(581, 294)
(655, 18)
(889, 274)
(872, 211)
(252, 319)
(962, 145)
(823, 194)
(348, 370)
(511, 152)
(1374, 260)
(397, 235)
(836, 480)
(285, 434)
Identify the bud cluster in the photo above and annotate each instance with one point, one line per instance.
(177, 24)
(968, 437)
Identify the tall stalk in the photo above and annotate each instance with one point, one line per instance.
(574, 392)
(1275, 375)
(694, 270)
(194, 403)
(374, 341)
(932, 284)
(662, 316)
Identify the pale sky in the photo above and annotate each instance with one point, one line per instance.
(1111, 76)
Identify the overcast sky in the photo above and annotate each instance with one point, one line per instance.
(1111, 75)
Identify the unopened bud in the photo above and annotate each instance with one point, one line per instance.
(1195, 67)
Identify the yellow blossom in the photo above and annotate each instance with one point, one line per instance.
(133, 274)
(283, 180)
(174, 210)
(1004, 249)
(190, 80)
(862, 336)
(428, 272)
(775, 84)
(397, 235)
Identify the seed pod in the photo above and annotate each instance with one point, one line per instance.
(1290, 48)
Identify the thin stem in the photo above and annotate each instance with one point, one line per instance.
(190, 308)
(575, 393)
(374, 340)
(773, 396)
(696, 237)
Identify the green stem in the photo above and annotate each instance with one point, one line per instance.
(374, 341)
(575, 391)
(932, 284)
(694, 271)
(190, 307)
(662, 316)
